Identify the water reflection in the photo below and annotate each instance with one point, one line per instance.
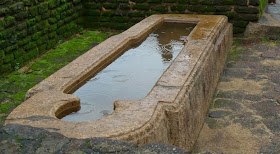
(171, 35)
(133, 74)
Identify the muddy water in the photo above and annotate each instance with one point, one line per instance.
(133, 74)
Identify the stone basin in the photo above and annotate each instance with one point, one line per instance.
(174, 110)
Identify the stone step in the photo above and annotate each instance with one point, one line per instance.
(270, 19)
(271, 16)
(268, 25)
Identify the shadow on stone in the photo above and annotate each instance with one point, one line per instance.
(26, 139)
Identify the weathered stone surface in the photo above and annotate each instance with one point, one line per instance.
(267, 109)
(227, 104)
(245, 9)
(237, 73)
(272, 147)
(246, 120)
(149, 120)
(218, 114)
(112, 14)
(216, 123)
(254, 127)
(269, 55)
(275, 77)
(273, 125)
(36, 140)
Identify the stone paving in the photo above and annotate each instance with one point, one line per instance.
(245, 114)
(271, 16)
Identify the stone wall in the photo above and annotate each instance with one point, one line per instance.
(121, 14)
(30, 27)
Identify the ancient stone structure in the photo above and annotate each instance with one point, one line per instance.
(174, 110)
(28, 28)
(121, 14)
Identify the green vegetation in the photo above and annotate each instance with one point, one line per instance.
(13, 86)
(262, 6)
(236, 51)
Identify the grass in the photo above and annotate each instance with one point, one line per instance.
(236, 51)
(13, 86)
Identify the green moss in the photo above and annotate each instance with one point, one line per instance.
(33, 11)
(8, 58)
(9, 21)
(43, 7)
(262, 6)
(76, 1)
(5, 68)
(154, 1)
(11, 48)
(110, 6)
(1, 54)
(31, 22)
(180, 8)
(265, 40)
(36, 36)
(141, 7)
(170, 1)
(53, 3)
(30, 46)
(24, 41)
(1, 25)
(13, 86)
(236, 51)
(5, 107)
(93, 6)
(160, 8)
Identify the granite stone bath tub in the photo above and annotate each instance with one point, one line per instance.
(174, 110)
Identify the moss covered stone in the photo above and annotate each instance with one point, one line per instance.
(33, 11)
(53, 4)
(11, 48)
(8, 58)
(30, 46)
(13, 86)
(22, 21)
(180, 8)
(110, 6)
(139, 1)
(4, 11)
(1, 54)
(154, 1)
(17, 7)
(141, 7)
(9, 21)
(160, 8)
(43, 7)
(244, 9)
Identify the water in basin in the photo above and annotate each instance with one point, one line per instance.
(133, 74)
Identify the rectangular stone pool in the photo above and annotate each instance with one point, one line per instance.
(133, 74)
(171, 110)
